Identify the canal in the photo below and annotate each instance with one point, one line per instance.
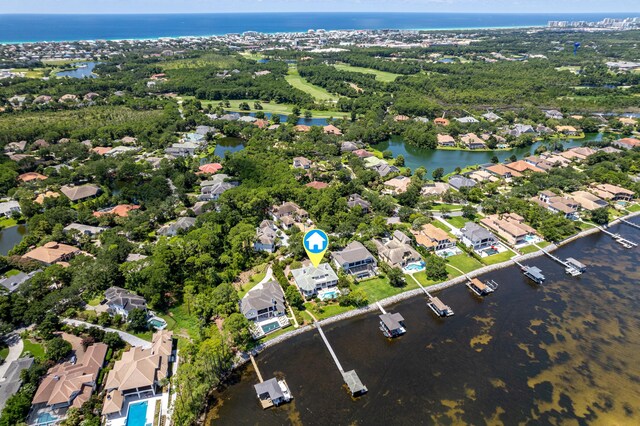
(567, 352)
(9, 237)
(431, 159)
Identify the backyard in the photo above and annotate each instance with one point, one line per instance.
(464, 262)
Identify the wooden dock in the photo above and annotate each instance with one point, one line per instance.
(568, 267)
(618, 238)
(350, 378)
(436, 305)
(635, 225)
(255, 367)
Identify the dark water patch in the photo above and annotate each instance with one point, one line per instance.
(10, 237)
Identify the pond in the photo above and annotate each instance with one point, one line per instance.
(301, 120)
(82, 70)
(431, 159)
(10, 237)
(228, 145)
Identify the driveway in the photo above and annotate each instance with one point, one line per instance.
(129, 338)
(16, 346)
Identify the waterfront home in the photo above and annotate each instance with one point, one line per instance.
(121, 302)
(459, 181)
(522, 166)
(398, 184)
(356, 260)
(446, 140)
(121, 210)
(383, 168)
(310, 280)
(357, 200)
(477, 237)
(567, 130)
(186, 149)
(87, 230)
(628, 121)
(362, 153)
(521, 129)
(52, 252)
(247, 119)
(612, 192)
(8, 208)
(510, 227)
(627, 143)
(435, 188)
(266, 236)
(611, 150)
(467, 120)
(578, 153)
(433, 238)
(68, 385)
(301, 128)
(330, 129)
(491, 117)
(140, 372)
(14, 282)
(502, 171)
(397, 252)
(472, 141)
(556, 204)
(302, 163)
(483, 176)
(174, 228)
(81, 192)
(263, 302)
(588, 201)
(31, 176)
(553, 114)
(11, 380)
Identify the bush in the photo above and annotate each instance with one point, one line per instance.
(57, 349)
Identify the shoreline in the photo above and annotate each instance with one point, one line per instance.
(244, 357)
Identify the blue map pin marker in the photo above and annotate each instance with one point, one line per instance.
(316, 243)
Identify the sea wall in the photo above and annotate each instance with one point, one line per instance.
(434, 288)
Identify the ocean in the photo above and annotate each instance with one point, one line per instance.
(17, 28)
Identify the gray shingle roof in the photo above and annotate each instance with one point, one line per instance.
(263, 296)
(308, 278)
(354, 252)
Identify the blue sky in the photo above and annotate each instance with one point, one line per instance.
(195, 6)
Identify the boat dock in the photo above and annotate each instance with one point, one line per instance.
(573, 268)
(635, 225)
(391, 325)
(618, 238)
(271, 393)
(255, 367)
(351, 379)
(436, 304)
(480, 288)
(532, 272)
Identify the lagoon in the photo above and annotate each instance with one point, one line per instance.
(82, 70)
(10, 237)
(563, 353)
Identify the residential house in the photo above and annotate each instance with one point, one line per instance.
(42, 99)
(567, 130)
(211, 168)
(435, 188)
(397, 252)
(521, 129)
(330, 129)
(15, 146)
(627, 143)
(482, 176)
(510, 227)
(69, 384)
(310, 280)
(433, 238)
(579, 153)
(362, 153)
(588, 201)
(68, 98)
(302, 163)
(47, 194)
(348, 146)
(81, 192)
(52, 252)
(446, 140)
(502, 171)
(264, 301)
(522, 166)
(441, 121)
(121, 210)
(317, 185)
(356, 260)
(11, 379)
(266, 236)
(186, 149)
(91, 231)
(101, 150)
(31, 176)
(8, 208)
(121, 302)
(174, 228)
(289, 210)
(477, 237)
(467, 120)
(398, 184)
(613, 192)
(459, 181)
(301, 128)
(212, 189)
(140, 371)
(14, 282)
(554, 114)
(384, 169)
(357, 200)
(472, 141)
(491, 116)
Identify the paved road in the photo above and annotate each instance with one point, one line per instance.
(16, 346)
(129, 338)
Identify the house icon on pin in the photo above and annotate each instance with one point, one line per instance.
(315, 242)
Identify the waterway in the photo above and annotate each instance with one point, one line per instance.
(567, 352)
(431, 159)
(9, 237)
(82, 70)
(283, 119)
(228, 145)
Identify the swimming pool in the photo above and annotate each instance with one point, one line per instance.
(268, 328)
(157, 323)
(491, 251)
(415, 266)
(329, 294)
(45, 419)
(137, 415)
(529, 238)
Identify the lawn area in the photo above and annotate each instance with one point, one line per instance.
(379, 288)
(441, 225)
(320, 94)
(634, 208)
(179, 320)
(95, 301)
(498, 258)
(11, 272)
(451, 207)
(4, 351)
(275, 334)
(327, 311)
(585, 225)
(252, 55)
(380, 75)
(422, 279)
(458, 221)
(255, 279)
(207, 60)
(528, 249)
(464, 262)
(34, 73)
(7, 222)
(33, 348)
(269, 107)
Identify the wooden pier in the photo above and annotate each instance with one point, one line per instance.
(351, 379)
(480, 288)
(618, 238)
(436, 304)
(635, 225)
(255, 367)
(569, 268)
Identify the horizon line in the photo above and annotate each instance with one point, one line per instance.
(319, 12)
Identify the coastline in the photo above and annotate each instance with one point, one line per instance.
(244, 357)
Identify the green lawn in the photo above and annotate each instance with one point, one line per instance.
(179, 320)
(327, 311)
(441, 225)
(634, 208)
(33, 348)
(498, 258)
(464, 262)
(270, 107)
(251, 55)
(458, 221)
(253, 281)
(453, 273)
(529, 249)
(275, 334)
(422, 279)
(380, 75)
(95, 301)
(451, 207)
(11, 272)
(7, 222)
(4, 351)
(320, 94)
(379, 288)
(34, 73)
